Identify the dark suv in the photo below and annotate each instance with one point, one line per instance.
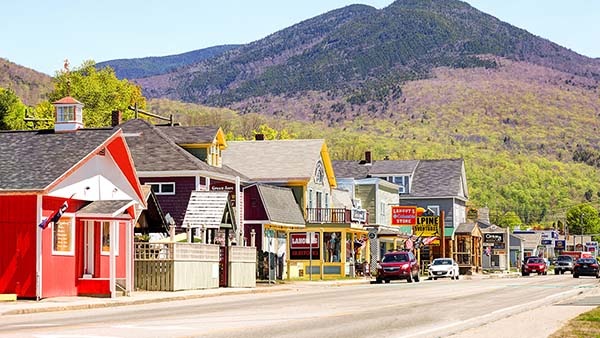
(398, 265)
(563, 263)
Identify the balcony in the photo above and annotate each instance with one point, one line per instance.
(336, 216)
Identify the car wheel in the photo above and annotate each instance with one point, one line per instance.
(556, 272)
(417, 278)
(378, 280)
(524, 274)
(387, 281)
(410, 278)
(429, 278)
(575, 275)
(457, 276)
(434, 278)
(598, 275)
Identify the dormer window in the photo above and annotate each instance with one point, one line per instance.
(67, 113)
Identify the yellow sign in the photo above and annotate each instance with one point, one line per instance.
(427, 226)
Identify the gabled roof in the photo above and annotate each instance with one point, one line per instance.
(280, 205)
(153, 150)
(277, 160)
(350, 169)
(33, 160)
(104, 209)
(206, 209)
(393, 167)
(192, 135)
(439, 178)
(468, 229)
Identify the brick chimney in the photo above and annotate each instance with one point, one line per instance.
(368, 157)
(259, 137)
(116, 118)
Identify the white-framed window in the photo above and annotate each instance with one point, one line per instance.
(105, 238)
(163, 188)
(63, 236)
(65, 114)
(326, 204)
(435, 209)
(401, 181)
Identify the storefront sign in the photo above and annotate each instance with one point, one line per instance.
(427, 226)
(358, 215)
(403, 215)
(493, 238)
(547, 242)
(559, 244)
(301, 244)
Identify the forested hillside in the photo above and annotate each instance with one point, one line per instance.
(149, 66)
(30, 86)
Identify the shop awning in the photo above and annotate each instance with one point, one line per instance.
(105, 209)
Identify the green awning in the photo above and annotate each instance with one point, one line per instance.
(448, 232)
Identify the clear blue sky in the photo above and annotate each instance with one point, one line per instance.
(41, 34)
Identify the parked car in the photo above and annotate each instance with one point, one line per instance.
(586, 267)
(534, 265)
(525, 261)
(563, 264)
(443, 267)
(398, 265)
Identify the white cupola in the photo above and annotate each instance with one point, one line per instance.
(68, 115)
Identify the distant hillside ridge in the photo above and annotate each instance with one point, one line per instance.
(29, 85)
(360, 54)
(155, 65)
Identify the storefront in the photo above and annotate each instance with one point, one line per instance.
(327, 252)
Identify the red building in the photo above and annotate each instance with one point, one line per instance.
(87, 175)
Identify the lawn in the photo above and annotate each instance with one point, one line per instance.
(586, 325)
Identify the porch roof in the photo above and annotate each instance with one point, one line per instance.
(280, 205)
(105, 209)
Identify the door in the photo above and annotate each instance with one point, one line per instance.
(88, 268)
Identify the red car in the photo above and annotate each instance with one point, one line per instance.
(534, 265)
(398, 265)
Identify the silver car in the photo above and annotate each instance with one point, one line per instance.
(443, 267)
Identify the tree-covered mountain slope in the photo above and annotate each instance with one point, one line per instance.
(156, 65)
(29, 85)
(361, 55)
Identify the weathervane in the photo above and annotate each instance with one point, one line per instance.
(66, 66)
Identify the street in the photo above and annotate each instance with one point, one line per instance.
(424, 309)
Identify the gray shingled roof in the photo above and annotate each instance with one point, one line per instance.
(102, 208)
(438, 178)
(465, 228)
(32, 160)
(350, 169)
(189, 135)
(152, 149)
(274, 159)
(393, 167)
(280, 205)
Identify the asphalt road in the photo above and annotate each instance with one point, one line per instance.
(464, 308)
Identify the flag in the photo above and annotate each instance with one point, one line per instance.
(55, 217)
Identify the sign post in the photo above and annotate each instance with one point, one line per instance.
(309, 239)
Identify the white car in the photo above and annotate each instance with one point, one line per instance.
(443, 267)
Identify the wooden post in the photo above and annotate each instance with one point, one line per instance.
(442, 237)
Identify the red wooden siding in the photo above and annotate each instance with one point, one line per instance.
(17, 245)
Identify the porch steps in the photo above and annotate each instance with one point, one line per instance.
(8, 297)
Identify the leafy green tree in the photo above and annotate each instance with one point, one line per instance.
(12, 111)
(583, 219)
(100, 91)
(509, 219)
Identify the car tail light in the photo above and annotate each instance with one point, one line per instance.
(577, 265)
(594, 265)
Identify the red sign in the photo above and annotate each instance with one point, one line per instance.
(403, 215)
(301, 240)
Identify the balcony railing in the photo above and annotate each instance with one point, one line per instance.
(336, 215)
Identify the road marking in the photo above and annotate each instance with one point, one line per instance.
(71, 336)
(35, 325)
(151, 327)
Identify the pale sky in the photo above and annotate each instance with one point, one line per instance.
(40, 34)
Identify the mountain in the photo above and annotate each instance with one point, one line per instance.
(30, 86)
(360, 55)
(149, 66)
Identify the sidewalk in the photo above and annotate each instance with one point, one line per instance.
(144, 297)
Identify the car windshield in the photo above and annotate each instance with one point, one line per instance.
(401, 257)
(536, 260)
(586, 261)
(565, 258)
(442, 262)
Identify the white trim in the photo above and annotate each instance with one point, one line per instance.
(38, 248)
(89, 251)
(186, 173)
(112, 266)
(110, 239)
(160, 185)
(129, 258)
(71, 251)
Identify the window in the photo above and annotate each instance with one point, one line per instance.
(310, 199)
(401, 181)
(65, 114)
(435, 209)
(63, 233)
(163, 188)
(105, 237)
